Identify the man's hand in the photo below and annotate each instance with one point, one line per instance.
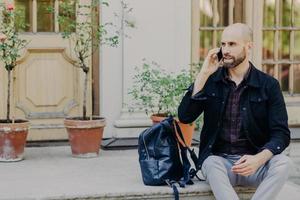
(211, 62)
(248, 164)
(2, 37)
(209, 66)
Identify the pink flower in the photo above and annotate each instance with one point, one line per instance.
(10, 6)
(2, 37)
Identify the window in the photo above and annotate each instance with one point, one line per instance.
(281, 42)
(37, 17)
(67, 10)
(214, 15)
(276, 26)
(45, 22)
(24, 16)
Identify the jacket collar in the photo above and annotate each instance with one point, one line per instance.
(253, 78)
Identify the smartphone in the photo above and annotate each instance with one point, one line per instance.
(220, 55)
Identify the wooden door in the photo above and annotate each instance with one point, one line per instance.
(47, 87)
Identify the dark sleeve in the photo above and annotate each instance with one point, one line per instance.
(278, 121)
(191, 106)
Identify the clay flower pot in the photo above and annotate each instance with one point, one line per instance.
(186, 129)
(85, 136)
(13, 140)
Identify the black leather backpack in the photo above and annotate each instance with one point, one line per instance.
(163, 159)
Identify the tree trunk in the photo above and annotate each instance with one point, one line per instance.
(8, 96)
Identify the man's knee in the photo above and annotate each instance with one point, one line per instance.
(281, 160)
(213, 162)
(281, 164)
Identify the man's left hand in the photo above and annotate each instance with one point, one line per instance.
(248, 164)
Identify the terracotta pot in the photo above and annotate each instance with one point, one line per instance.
(186, 129)
(85, 136)
(13, 140)
(156, 118)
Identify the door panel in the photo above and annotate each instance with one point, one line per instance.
(47, 88)
(46, 84)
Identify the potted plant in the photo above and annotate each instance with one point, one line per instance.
(13, 132)
(158, 93)
(85, 132)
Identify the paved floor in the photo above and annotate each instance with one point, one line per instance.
(51, 173)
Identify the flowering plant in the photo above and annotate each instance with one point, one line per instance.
(10, 45)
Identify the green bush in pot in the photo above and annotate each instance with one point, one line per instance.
(158, 93)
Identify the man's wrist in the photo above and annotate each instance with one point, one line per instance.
(204, 73)
(199, 82)
(264, 156)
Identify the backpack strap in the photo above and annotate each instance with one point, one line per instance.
(188, 173)
(186, 179)
(172, 184)
(193, 172)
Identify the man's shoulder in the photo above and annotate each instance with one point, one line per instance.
(265, 79)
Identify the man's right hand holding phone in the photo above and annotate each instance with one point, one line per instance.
(210, 65)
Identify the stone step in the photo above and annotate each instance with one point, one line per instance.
(200, 191)
(51, 173)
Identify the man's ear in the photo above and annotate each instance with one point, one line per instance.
(249, 45)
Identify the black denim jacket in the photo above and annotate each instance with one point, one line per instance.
(264, 115)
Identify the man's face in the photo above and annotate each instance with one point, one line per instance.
(234, 50)
(231, 60)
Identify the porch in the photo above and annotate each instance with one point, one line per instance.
(51, 173)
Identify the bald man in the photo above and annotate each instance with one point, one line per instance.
(245, 125)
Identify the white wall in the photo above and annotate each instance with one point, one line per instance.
(162, 34)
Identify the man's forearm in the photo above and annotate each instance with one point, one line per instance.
(200, 82)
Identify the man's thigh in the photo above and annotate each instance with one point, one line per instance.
(214, 165)
(278, 163)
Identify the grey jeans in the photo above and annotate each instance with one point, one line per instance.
(268, 179)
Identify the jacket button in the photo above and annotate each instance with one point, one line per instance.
(244, 108)
(278, 147)
(210, 146)
(223, 102)
(213, 94)
(259, 99)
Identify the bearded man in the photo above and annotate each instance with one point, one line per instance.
(245, 125)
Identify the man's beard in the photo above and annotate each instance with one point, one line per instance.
(236, 61)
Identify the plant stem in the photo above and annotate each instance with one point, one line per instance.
(8, 96)
(85, 95)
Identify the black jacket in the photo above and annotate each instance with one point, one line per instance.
(264, 115)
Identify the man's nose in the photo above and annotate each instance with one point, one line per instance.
(225, 50)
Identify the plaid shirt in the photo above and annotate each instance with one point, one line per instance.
(232, 139)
